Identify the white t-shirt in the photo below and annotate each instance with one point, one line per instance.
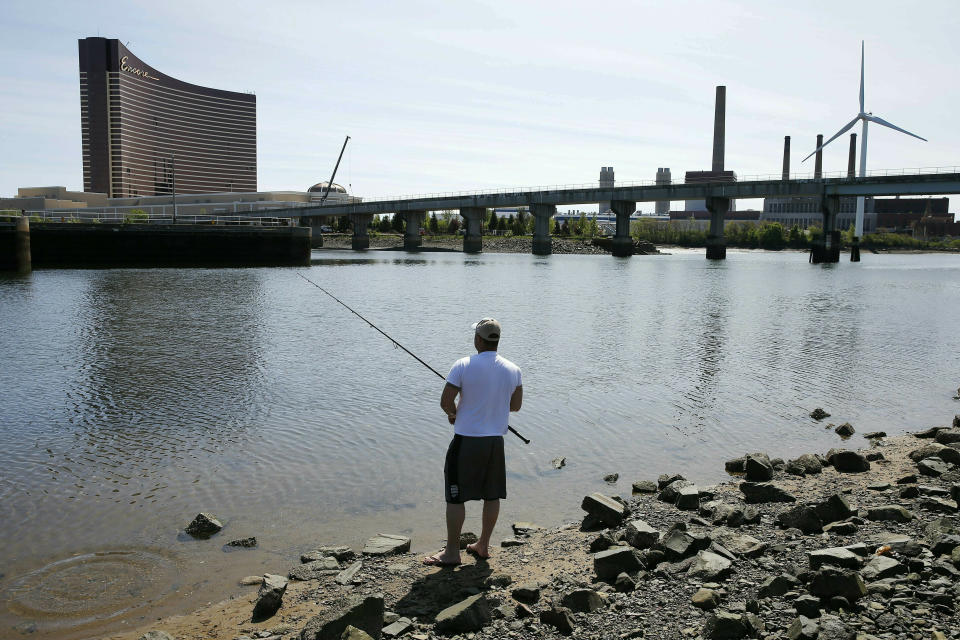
(486, 382)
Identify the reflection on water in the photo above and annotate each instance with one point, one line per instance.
(135, 398)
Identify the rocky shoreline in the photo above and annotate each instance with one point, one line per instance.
(851, 543)
(491, 244)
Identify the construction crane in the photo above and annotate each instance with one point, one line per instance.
(335, 167)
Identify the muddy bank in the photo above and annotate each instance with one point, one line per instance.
(858, 542)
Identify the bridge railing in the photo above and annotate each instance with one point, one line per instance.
(121, 217)
(768, 177)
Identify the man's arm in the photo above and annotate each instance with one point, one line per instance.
(448, 401)
(516, 400)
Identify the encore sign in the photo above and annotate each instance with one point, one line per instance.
(139, 72)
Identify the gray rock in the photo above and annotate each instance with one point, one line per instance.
(397, 628)
(314, 570)
(245, 543)
(559, 463)
(611, 478)
(803, 628)
(834, 509)
(805, 464)
(468, 615)
(644, 486)
(819, 414)
(807, 606)
(762, 492)
(891, 512)
(882, 567)
(778, 585)
(938, 505)
(559, 618)
(845, 430)
(249, 581)
(385, 544)
(348, 575)
(736, 465)
(498, 580)
(526, 592)
(511, 542)
(849, 462)
(677, 545)
(615, 560)
(835, 557)
(641, 535)
(467, 538)
(625, 584)
(758, 468)
(841, 528)
(156, 635)
(936, 450)
(875, 435)
(724, 625)
(269, 597)
(352, 633)
(688, 498)
(947, 436)
(735, 542)
(671, 492)
(933, 467)
(803, 517)
(204, 526)
(829, 582)
(524, 528)
(667, 478)
(605, 509)
(341, 552)
(706, 599)
(944, 545)
(364, 613)
(710, 567)
(583, 601)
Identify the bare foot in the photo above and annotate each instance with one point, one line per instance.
(442, 559)
(481, 551)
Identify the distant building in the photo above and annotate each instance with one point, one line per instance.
(144, 131)
(880, 214)
(606, 182)
(662, 207)
(707, 176)
(59, 199)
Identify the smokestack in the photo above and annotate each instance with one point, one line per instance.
(818, 163)
(853, 156)
(786, 157)
(719, 128)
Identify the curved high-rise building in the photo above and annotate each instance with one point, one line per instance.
(143, 131)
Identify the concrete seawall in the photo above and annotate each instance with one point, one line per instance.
(90, 245)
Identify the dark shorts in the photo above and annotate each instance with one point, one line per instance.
(475, 469)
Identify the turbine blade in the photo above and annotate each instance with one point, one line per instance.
(835, 136)
(872, 118)
(861, 76)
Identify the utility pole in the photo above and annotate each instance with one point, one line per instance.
(173, 170)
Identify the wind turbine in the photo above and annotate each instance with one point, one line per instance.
(865, 117)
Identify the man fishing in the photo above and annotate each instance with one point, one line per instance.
(489, 387)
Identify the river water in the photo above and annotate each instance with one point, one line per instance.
(135, 398)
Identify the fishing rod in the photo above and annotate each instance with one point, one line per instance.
(395, 343)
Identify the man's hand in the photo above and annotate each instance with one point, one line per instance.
(452, 418)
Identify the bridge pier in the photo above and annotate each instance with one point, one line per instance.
(24, 262)
(316, 236)
(827, 249)
(472, 233)
(541, 228)
(411, 236)
(361, 234)
(622, 244)
(716, 243)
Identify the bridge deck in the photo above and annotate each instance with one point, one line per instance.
(917, 184)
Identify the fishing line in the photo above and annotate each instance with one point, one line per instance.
(395, 343)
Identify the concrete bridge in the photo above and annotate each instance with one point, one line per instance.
(623, 199)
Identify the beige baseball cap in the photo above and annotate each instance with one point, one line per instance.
(488, 329)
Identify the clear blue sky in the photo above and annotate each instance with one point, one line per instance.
(445, 96)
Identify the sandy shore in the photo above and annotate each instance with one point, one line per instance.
(491, 244)
(724, 567)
